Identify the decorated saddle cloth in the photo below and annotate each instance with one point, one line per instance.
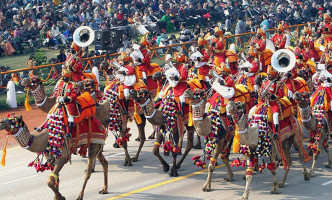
(285, 106)
(85, 105)
(322, 96)
(154, 67)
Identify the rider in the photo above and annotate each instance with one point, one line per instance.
(128, 70)
(279, 38)
(66, 92)
(325, 28)
(259, 45)
(219, 45)
(177, 75)
(145, 62)
(274, 92)
(327, 57)
(74, 62)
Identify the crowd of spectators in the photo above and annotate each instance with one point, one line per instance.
(36, 23)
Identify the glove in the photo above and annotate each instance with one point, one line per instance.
(273, 97)
(176, 78)
(66, 100)
(60, 100)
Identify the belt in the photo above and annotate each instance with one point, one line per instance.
(219, 51)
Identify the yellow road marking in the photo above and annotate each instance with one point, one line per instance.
(168, 182)
(162, 183)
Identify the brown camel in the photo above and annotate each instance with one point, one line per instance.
(155, 117)
(203, 128)
(250, 137)
(309, 121)
(38, 143)
(45, 103)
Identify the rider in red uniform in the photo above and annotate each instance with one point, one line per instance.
(219, 45)
(279, 39)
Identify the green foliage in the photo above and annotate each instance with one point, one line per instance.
(40, 57)
(4, 105)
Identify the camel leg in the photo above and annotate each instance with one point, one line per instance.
(155, 152)
(104, 164)
(141, 136)
(326, 148)
(286, 147)
(174, 170)
(181, 141)
(94, 150)
(127, 158)
(306, 174)
(190, 139)
(152, 136)
(53, 181)
(314, 159)
(198, 144)
(249, 173)
(212, 165)
(225, 160)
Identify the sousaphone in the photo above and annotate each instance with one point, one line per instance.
(83, 36)
(283, 60)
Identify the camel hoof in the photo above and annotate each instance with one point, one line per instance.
(275, 191)
(116, 145)
(80, 198)
(243, 198)
(127, 163)
(165, 167)
(197, 146)
(206, 188)
(328, 166)
(281, 185)
(137, 139)
(151, 137)
(103, 191)
(174, 172)
(227, 179)
(135, 159)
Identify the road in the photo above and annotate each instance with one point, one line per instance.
(145, 179)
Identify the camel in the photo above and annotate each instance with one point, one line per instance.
(309, 121)
(249, 135)
(38, 143)
(156, 117)
(45, 103)
(203, 128)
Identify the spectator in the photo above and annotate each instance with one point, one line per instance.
(55, 34)
(62, 56)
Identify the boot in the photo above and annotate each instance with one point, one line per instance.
(70, 130)
(230, 119)
(182, 105)
(126, 104)
(275, 131)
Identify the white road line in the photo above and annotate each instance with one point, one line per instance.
(117, 154)
(326, 183)
(18, 179)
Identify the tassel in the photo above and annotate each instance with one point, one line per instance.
(236, 142)
(190, 120)
(136, 116)
(4, 152)
(26, 103)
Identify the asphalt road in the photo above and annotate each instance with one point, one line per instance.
(145, 179)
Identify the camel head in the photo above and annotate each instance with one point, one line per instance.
(195, 96)
(11, 123)
(259, 79)
(141, 95)
(31, 83)
(159, 77)
(87, 85)
(236, 109)
(302, 99)
(303, 74)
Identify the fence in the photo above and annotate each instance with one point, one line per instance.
(241, 41)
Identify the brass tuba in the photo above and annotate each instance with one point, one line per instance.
(283, 60)
(83, 36)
